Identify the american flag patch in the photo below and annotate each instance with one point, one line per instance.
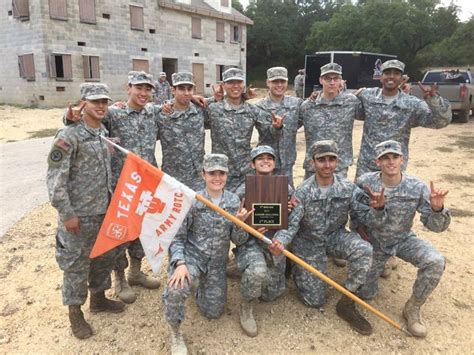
(62, 144)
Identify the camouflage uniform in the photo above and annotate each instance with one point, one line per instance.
(203, 243)
(394, 120)
(162, 91)
(299, 84)
(78, 181)
(181, 135)
(285, 146)
(395, 237)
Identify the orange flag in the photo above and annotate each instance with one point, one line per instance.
(147, 204)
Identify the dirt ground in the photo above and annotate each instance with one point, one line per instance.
(33, 319)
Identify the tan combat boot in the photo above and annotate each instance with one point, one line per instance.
(346, 309)
(137, 278)
(390, 265)
(80, 328)
(178, 346)
(99, 303)
(122, 289)
(411, 313)
(246, 319)
(340, 262)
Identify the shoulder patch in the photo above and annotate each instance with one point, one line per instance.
(62, 144)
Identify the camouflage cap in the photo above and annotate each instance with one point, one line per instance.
(182, 78)
(324, 148)
(277, 73)
(262, 149)
(233, 74)
(388, 147)
(94, 91)
(213, 162)
(331, 68)
(393, 64)
(162, 73)
(301, 71)
(140, 77)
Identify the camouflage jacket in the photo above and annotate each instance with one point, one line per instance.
(162, 92)
(401, 204)
(330, 119)
(384, 121)
(79, 176)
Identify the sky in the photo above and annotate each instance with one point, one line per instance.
(467, 7)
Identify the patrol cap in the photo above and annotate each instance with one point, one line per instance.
(389, 146)
(331, 68)
(162, 73)
(301, 71)
(213, 162)
(140, 77)
(233, 74)
(262, 149)
(393, 64)
(182, 78)
(324, 148)
(96, 91)
(277, 73)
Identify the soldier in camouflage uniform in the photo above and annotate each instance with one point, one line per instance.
(181, 134)
(299, 84)
(162, 90)
(263, 274)
(316, 228)
(134, 127)
(198, 253)
(330, 116)
(390, 114)
(79, 188)
(404, 196)
(287, 107)
(232, 121)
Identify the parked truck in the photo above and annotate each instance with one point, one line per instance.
(455, 85)
(359, 69)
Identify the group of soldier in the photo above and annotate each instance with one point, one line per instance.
(382, 204)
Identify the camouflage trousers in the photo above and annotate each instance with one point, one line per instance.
(210, 283)
(135, 250)
(299, 93)
(340, 244)
(339, 171)
(418, 252)
(234, 182)
(287, 171)
(263, 274)
(79, 271)
(363, 167)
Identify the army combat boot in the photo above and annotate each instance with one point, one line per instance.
(80, 328)
(99, 303)
(137, 278)
(122, 289)
(178, 346)
(246, 319)
(346, 309)
(340, 262)
(411, 313)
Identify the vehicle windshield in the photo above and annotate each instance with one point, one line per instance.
(448, 76)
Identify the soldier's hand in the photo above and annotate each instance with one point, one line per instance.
(437, 197)
(243, 214)
(292, 202)
(376, 199)
(277, 121)
(74, 112)
(276, 248)
(199, 100)
(358, 91)
(180, 275)
(119, 104)
(363, 233)
(250, 93)
(314, 95)
(72, 225)
(167, 108)
(218, 91)
(428, 91)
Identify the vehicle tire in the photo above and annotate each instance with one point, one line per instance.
(463, 116)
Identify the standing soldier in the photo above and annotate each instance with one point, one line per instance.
(79, 188)
(316, 229)
(181, 134)
(198, 253)
(299, 83)
(232, 121)
(287, 107)
(330, 116)
(404, 196)
(162, 90)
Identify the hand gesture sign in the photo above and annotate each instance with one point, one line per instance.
(250, 93)
(376, 199)
(243, 214)
(74, 112)
(218, 91)
(167, 108)
(314, 95)
(277, 121)
(437, 197)
(428, 91)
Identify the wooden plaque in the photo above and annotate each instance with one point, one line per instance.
(268, 196)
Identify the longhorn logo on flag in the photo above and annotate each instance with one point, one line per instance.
(147, 204)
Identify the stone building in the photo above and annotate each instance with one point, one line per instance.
(51, 46)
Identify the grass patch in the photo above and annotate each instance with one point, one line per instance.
(46, 132)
